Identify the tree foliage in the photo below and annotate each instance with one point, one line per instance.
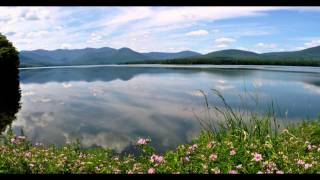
(9, 78)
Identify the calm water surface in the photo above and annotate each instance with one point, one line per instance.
(111, 106)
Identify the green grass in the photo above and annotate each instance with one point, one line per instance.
(249, 144)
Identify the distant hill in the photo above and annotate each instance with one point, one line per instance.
(162, 56)
(93, 56)
(106, 55)
(231, 53)
(311, 53)
(306, 57)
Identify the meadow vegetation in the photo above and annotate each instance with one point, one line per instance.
(237, 144)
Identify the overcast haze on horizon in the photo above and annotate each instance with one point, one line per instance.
(162, 29)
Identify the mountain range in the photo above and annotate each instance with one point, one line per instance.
(93, 56)
(106, 55)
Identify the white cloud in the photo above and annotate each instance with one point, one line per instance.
(223, 42)
(312, 43)
(94, 38)
(243, 48)
(121, 26)
(299, 48)
(65, 46)
(199, 32)
(266, 45)
(222, 45)
(131, 14)
(37, 34)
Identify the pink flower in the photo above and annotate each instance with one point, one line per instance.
(185, 158)
(257, 157)
(232, 152)
(307, 166)
(142, 141)
(156, 158)
(27, 154)
(13, 140)
(210, 145)
(151, 171)
(232, 172)
(192, 148)
(213, 157)
(300, 162)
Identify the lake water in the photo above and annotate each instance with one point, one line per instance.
(111, 106)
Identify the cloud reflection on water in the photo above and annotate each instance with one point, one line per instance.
(111, 107)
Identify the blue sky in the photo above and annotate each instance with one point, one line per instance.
(166, 29)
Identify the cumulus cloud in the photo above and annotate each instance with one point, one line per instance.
(312, 43)
(65, 46)
(37, 34)
(199, 32)
(266, 45)
(94, 38)
(309, 44)
(78, 26)
(223, 42)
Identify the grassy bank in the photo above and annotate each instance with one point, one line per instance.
(293, 150)
(249, 144)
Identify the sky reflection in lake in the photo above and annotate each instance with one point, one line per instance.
(113, 106)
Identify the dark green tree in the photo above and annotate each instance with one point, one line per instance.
(9, 78)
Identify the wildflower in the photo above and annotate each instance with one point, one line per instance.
(300, 162)
(13, 140)
(259, 172)
(31, 165)
(309, 147)
(156, 158)
(257, 157)
(21, 137)
(210, 145)
(232, 152)
(232, 172)
(27, 154)
(216, 170)
(142, 141)
(192, 148)
(185, 158)
(307, 166)
(205, 166)
(151, 171)
(279, 172)
(318, 149)
(239, 166)
(213, 157)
